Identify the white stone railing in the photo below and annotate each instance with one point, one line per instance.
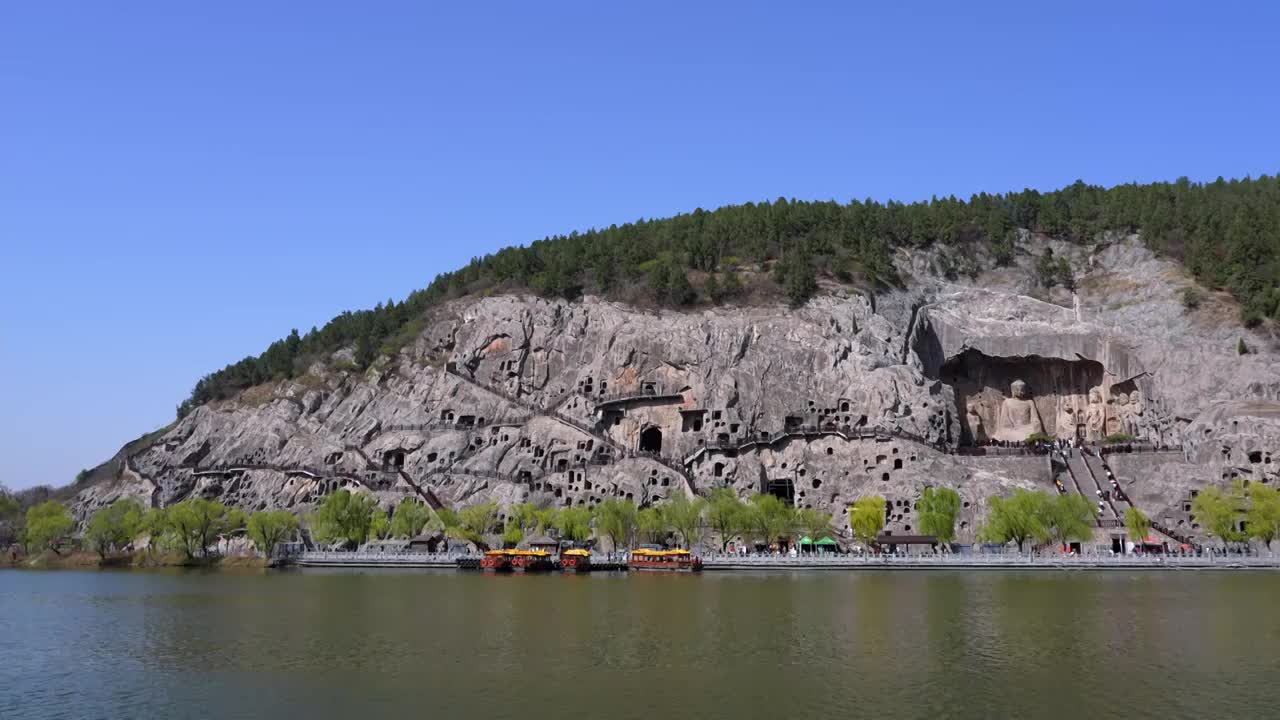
(1011, 560)
(381, 558)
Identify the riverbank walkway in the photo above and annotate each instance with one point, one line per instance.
(960, 561)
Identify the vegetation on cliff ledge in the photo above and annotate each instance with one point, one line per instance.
(1226, 232)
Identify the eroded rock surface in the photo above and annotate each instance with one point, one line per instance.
(509, 398)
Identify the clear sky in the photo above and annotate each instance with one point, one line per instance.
(182, 183)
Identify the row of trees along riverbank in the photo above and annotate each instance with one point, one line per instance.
(190, 532)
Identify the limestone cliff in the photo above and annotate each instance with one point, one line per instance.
(506, 398)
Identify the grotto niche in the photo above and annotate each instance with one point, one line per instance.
(1007, 399)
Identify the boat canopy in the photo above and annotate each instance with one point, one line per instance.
(518, 553)
(646, 552)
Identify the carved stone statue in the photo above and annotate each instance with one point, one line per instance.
(1018, 415)
(1095, 415)
(1064, 423)
(1136, 410)
(973, 415)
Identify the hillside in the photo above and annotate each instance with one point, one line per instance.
(1227, 233)
(884, 376)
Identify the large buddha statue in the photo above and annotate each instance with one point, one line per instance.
(1018, 415)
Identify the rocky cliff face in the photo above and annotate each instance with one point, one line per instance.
(510, 398)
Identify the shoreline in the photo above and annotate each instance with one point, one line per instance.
(764, 564)
(847, 564)
(49, 560)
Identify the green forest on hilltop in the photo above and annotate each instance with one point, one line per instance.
(1227, 233)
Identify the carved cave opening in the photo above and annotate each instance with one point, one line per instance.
(1009, 398)
(651, 440)
(783, 489)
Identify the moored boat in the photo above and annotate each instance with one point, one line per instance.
(670, 560)
(575, 560)
(531, 560)
(496, 561)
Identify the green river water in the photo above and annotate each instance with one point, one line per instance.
(431, 644)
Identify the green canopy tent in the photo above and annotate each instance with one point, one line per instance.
(826, 544)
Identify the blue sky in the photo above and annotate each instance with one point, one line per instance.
(181, 183)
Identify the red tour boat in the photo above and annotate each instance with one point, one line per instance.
(676, 560)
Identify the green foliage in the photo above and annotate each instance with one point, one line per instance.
(1068, 517)
(1052, 271)
(1137, 523)
(531, 517)
(1039, 437)
(1226, 232)
(769, 519)
(9, 506)
(155, 524)
(1192, 297)
(616, 520)
(815, 523)
(1263, 516)
(713, 289)
(1118, 438)
(473, 523)
(379, 525)
(796, 275)
(196, 523)
(866, 518)
(409, 518)
(1217, 510)
(47, 523)
(684, 515)
(113, 527)
(726, 514)
(1017, 518)
(270, 528)
(574, 524)
(937, 509)
(512, 534)
(669, 282)
(346, 517)
(652, 525)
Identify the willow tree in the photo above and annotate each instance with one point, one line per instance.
(113, 527)
(937, 509)
(1263, 515)
(47, 523)
(1137, 524)
(1068, 517)
(652, 525)
(815, 523)
(1216, 511)
(345, 517)
(409, 518)
(1017, 518)
(866, 518)
(198, 522)
(684, 515)
(270, 528)
(574, 524)
(616, 520)
(770, 518)
(473, 522)
(725, 514)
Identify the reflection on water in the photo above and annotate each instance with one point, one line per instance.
(445, 644)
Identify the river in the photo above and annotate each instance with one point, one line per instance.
(900, 645)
